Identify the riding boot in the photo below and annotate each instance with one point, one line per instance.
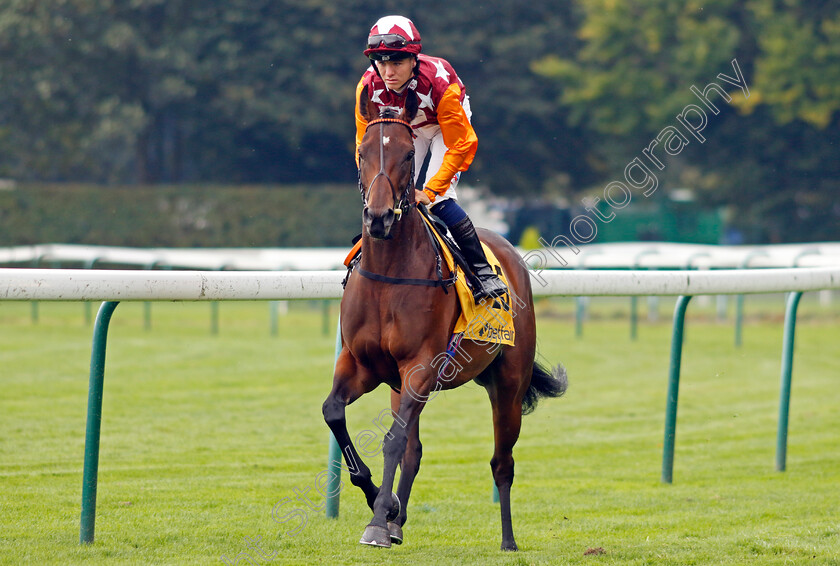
(485, 283)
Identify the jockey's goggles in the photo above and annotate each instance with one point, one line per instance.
(389, 40)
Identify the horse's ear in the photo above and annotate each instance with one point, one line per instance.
(367, 108)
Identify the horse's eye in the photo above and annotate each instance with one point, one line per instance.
(410, 156)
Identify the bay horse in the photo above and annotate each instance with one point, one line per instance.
(398, 317)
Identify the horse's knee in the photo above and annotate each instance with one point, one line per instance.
(333, 410)
(395, 444)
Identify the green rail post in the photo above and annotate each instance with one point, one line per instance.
(214, 310)
(787, 374)
(581, 302)
(94, 421)
(673, 389)
(33, 305)
(334, 458)
(87, 305)
(147, 305)
(739, 300)
(634, 300)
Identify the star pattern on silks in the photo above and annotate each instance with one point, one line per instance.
(376, 98)
(426, 100)
(388, 22)
(440, 71)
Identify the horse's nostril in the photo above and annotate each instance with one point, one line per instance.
(378, 224)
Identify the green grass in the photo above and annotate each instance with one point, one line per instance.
(202, 435)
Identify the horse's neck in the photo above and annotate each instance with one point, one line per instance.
(407, 253)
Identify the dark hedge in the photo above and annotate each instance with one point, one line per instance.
(180, 216)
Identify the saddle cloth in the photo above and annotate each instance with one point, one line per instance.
(491, 321)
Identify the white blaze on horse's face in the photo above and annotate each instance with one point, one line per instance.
(386, 163)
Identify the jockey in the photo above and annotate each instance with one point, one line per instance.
(398, 76)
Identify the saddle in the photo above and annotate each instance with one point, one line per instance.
(488, 322)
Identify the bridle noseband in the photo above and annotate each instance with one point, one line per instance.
(407, 198)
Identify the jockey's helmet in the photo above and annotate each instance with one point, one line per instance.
(393, 37)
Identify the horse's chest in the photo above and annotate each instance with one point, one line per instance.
(381, 341)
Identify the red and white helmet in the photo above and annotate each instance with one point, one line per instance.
(393, 37)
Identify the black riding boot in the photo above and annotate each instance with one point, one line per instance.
(485, 283)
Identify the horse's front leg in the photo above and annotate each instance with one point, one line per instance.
(414, 394)
(351, 381)
(409, 466)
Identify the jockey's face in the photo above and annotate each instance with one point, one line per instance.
(396, 73)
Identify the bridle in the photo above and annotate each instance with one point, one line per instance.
(406, 200)
(400, 208)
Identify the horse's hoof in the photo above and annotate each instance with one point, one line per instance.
(510, 547)
(376, 536)
(395, 508)
(396, 532)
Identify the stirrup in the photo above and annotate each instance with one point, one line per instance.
(488, 286)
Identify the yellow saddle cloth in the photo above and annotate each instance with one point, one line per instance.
(492, 320)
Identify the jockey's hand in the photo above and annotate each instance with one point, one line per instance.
(421, 197)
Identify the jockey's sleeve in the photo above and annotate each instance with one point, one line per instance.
(361, 123)
(459, 137)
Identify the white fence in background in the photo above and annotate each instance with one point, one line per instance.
(638, 255)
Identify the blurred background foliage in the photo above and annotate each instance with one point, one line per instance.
(188, 216)
(564, 95)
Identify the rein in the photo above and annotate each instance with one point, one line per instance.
(400, 208)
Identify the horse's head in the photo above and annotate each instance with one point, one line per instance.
(386, 167)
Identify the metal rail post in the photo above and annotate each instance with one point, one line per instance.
(334, 457)
(787, 373)
(673, 389)
(581, 302)
(33, 305)
(214, 310)
(739, 300)
(90, 264)
(147, 305)
(94, 422)
(273, 317)
(634, 300)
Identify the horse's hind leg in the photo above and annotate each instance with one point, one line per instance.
(350, 382)
(507, 421)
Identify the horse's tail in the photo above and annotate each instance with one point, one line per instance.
(544, 384)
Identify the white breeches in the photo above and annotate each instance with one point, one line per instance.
(429, 141)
